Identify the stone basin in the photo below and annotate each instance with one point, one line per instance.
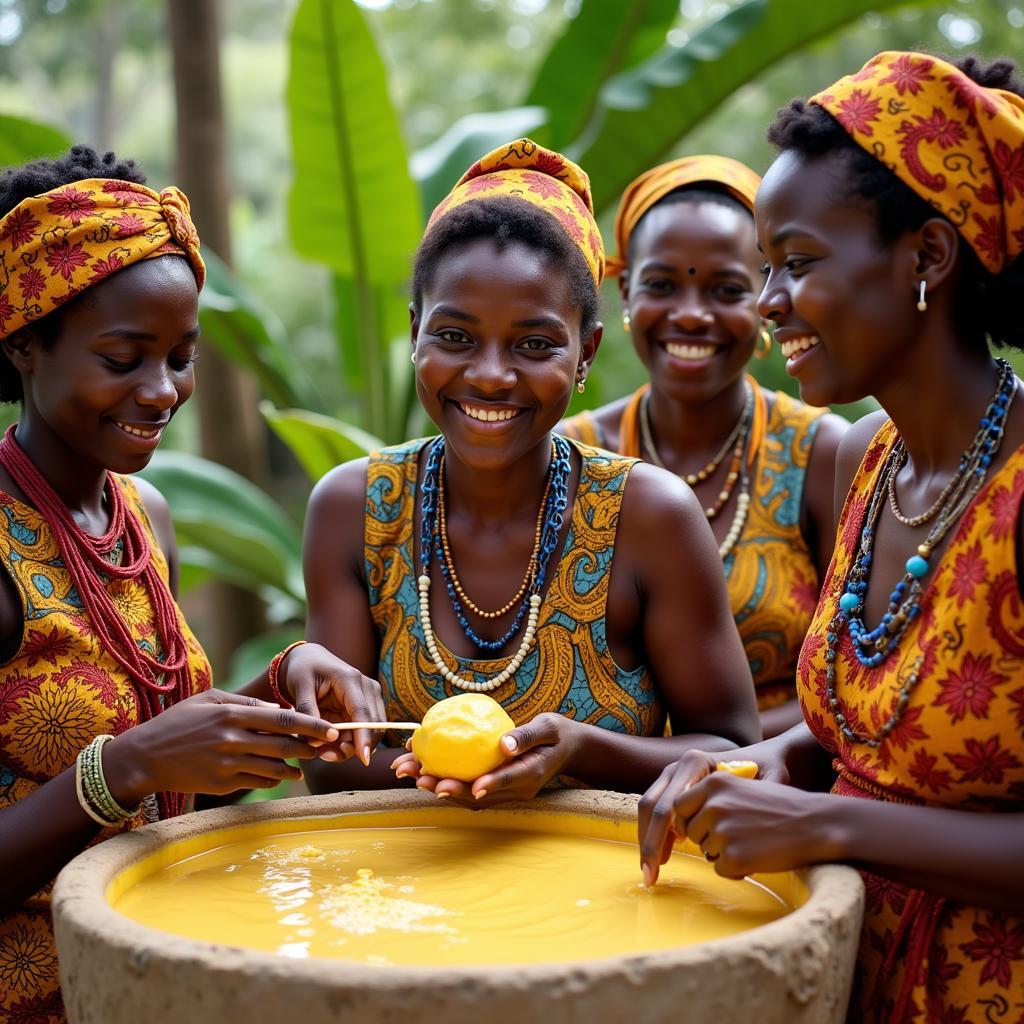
(116, 970)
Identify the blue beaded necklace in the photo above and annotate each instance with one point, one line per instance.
(873, 646)
(431, 542)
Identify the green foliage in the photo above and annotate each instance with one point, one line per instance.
(22, 140)
(644, 112)
(250, 335)
(318, 442)
(228, 526)
(353, 205)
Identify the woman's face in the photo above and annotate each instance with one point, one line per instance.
(691, 293)
(498, 347)
(843, 303)
(120, 367)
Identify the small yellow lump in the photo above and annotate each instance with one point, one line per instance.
(459, 737)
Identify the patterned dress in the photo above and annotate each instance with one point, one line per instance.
(770, 574)
(569, 669)
(57, 692)
(960, 745)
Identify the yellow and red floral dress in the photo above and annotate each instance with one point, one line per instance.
(58, 691)
(959, 745)
(770, 573)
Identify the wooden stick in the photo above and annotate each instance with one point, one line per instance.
(401, 726)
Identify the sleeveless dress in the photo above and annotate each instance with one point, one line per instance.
(959, 745)
(770, 573)
(58, 691)
(569, 669)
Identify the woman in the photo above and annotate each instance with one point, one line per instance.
(500, 557)
(107, 719)
(761, 463)
(893, 222)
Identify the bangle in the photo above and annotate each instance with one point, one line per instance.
(275, 668)
(91, 786)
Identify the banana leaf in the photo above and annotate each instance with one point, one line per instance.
(22, 140)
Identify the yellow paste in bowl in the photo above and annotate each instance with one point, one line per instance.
(451, 895)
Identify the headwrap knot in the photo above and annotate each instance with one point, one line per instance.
(547, 180)
(957, 144)
(56, 244)
(652, 186)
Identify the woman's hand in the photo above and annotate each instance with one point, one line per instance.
(742, 825)
(215, 742)
(537, 751)
(324, 686)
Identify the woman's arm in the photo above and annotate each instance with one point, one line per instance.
(339, 616)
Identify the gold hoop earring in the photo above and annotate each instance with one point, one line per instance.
(764, 344)
(581, 385)
(627, 323)
(922, 304)
(413, 356)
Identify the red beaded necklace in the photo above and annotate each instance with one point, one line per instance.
(86, 557)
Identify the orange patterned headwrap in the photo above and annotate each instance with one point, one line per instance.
(55, 245)
(957, 144)
(652, 186)
(542, 177)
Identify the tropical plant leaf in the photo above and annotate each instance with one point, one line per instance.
(353, 205)
(438, 166)
(318, 442)
(642, 113)
(241, 330)
(251, 540)
(22, 140)
(607, 36)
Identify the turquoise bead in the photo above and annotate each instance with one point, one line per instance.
(917, 566)
(849, 603)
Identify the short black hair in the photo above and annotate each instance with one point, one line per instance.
(33, 179)
(698, 192)
(986, 305)
(505, 220)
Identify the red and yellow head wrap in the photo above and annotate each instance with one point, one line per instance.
(539, 176)
(652, 186)
(55, 245)
(957, 144)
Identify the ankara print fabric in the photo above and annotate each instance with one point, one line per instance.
(960, 744)
(59, 691)
(570, 669)
(770, 573)
(957, 144)
(55, 245)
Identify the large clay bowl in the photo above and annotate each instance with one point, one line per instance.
(116, 971)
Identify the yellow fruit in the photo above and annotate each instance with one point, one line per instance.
(459, 737)
(745, 769)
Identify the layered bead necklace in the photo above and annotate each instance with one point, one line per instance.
(434, 541)
(873, 646)
(122, 553)
(737, 442)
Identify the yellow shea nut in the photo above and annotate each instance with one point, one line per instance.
(744, 769)
(459, 737)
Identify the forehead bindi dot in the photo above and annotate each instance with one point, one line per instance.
(692, 270)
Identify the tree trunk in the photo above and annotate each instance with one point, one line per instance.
(230, 428)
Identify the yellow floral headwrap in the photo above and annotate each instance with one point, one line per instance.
(957, 144)
(542, 177)
(653, 185)
(55, 245)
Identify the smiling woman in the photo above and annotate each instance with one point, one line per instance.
(761, 464)
(499, 556)
(107, 719)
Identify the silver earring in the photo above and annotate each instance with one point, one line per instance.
(922, 305)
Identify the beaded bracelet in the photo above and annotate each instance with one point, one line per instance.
(275, 667)
(91, 786)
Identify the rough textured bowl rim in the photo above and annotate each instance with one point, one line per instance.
(81, 888)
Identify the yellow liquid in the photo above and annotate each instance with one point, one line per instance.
(449, 895)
